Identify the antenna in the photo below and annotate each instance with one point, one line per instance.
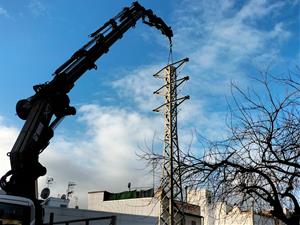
(76, 202)
(49, 181)
(70, 190)
(129, 185)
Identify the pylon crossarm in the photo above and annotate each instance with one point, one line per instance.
(180, 81)
(157, 92)
(177, 82)
(181, 100)
(179, 62)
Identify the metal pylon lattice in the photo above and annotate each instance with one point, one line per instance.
(171, 198)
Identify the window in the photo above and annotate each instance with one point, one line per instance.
(14, 214)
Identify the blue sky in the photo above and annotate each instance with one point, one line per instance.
(225, 40)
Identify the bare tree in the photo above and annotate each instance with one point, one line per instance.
(259, 162)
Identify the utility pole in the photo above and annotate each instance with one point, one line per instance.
(171, 198)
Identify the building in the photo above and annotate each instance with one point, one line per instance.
(143, 203)
(142, 207)
(221, 213)
(61, 212)
(57, 202)
(70, 214)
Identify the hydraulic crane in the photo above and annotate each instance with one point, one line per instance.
(44, 110)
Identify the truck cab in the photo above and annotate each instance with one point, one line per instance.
(16, 210)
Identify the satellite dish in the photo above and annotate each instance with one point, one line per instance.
(45, 193)
(63, 196)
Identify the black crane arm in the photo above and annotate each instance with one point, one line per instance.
(50, 104)
(104, 37)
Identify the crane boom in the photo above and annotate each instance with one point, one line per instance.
(50, 104)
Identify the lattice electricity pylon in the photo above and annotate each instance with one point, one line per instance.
(171, 199)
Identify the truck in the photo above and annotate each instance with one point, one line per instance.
(50, 104)
(16, 210)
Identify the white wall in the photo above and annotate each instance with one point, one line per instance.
(136, 206)
(222, 214)
(62, 214)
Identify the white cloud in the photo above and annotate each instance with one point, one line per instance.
(8, 135)
(105, 156)
(139, 85)
(223, 38)
(3, 12)
(257, 9)
(37, 8)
